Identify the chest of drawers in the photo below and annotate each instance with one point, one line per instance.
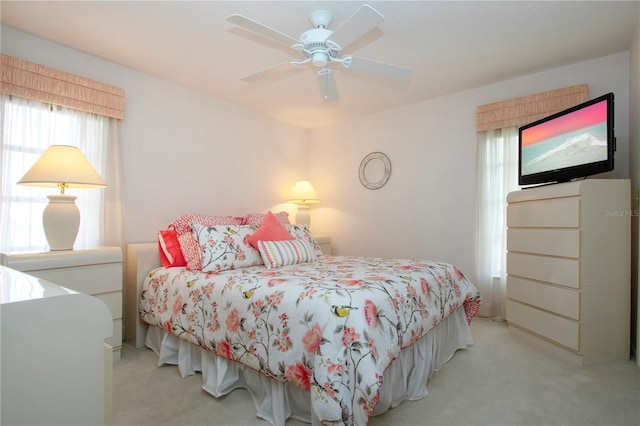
(568, 267)
(95, 272)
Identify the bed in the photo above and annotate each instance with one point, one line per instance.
(332, 340)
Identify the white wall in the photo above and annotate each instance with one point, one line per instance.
(183, 151)
(426, 210)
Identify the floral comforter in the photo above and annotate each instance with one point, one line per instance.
(331, 327)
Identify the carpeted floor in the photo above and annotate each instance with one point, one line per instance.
(502, 380)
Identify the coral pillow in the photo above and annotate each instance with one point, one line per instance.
(282, 253)
(188, 244)
(271, 229)
(169, 248)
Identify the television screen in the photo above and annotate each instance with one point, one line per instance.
(574, 143)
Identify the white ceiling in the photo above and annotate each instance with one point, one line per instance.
(449, 45)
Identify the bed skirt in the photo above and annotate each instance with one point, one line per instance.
(405, 379)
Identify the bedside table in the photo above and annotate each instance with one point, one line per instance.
(325, 243)
(96, 272)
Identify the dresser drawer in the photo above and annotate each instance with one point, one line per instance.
(90, 279)
(560, 330)
(551, 213)
(556, 270)
(552, 242)
(561, 301)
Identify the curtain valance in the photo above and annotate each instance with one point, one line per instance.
(527, 109)
(33, 81)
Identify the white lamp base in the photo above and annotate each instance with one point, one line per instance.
(303, 216)
(61, 220)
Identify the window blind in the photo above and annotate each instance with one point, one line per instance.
(517, 112)
(33, 81)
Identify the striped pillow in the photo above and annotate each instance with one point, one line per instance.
(288, 252)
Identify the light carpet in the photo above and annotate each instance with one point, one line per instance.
(502, 380)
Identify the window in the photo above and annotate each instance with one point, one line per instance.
(28, 128)
(497, 176)
(497, 168)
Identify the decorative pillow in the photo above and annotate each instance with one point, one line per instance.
(288, 252)
(256, 219)
(225, 247)
(169, 248)
(188, 244)
(303, 233)
(270, 230)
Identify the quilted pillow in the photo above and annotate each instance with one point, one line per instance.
(270, 230)
(188, 244)
(169, 248)
(225, 247)
(303, 233)
(282, 253)
(256, 219)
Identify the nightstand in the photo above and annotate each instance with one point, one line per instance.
(96, 272)
(325, 243)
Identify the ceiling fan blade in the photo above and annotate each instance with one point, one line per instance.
(328, 87)
(381, 69)
(361, 22)
(261, 29)
(267, 72)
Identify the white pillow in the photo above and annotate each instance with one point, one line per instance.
(225, 247)
(287, 252)
(302, 232)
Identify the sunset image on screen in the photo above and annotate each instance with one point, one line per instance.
(576, 138)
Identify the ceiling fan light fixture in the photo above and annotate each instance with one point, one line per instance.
(319, 59)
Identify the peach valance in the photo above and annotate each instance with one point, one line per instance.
(527, 109)
(37, 82)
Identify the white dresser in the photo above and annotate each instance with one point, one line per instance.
(569, 267)
(96, 272)
(55, 369)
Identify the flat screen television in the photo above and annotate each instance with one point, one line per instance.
(574, 143)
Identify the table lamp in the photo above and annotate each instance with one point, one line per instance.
(302, 194)
(64, 167)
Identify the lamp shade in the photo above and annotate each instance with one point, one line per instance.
(62, 166)
(303, 193)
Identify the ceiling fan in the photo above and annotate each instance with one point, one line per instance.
(322, 47)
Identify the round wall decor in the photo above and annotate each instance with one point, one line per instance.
(375, 170)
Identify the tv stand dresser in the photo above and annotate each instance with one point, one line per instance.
(569, 268)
